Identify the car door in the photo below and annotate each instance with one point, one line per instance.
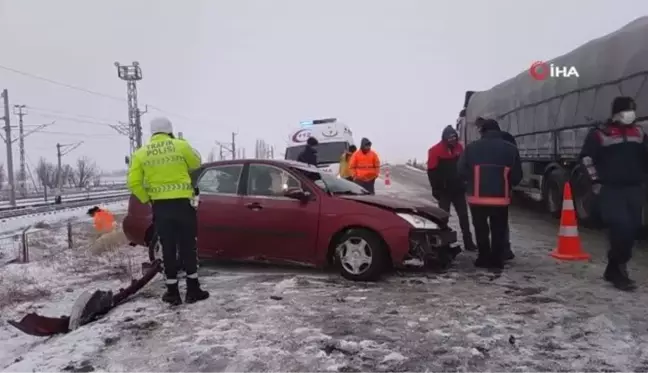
(220, 222)
(280, 228)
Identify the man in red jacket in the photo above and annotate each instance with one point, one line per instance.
(447, 187)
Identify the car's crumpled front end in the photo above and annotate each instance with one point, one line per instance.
(431, 241)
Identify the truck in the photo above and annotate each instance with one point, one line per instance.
(551, 117)
(334, 139)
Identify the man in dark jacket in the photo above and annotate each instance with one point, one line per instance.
(615, 155)
(490, 166)
(309, 154)
(446, 186)
(506, 136)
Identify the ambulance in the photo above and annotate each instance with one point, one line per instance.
(334, 139)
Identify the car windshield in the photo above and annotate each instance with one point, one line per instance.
(327, 153)
(333, 184)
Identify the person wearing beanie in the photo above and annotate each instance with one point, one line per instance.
(309, 154)
(160, 174)
(365, 166)
(490, 167)
(446, 186)
(615, 156)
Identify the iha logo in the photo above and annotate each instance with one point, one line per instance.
(541, 71)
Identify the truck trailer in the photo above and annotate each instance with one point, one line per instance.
(551, 117)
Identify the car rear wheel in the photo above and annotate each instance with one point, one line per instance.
(361, 255)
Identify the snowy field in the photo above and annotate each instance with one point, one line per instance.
(539, 315)
(10, 226)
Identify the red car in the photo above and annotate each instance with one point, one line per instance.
(285, 211)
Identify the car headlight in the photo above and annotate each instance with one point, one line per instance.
(418, 222)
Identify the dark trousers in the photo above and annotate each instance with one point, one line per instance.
(370, 186)
(176, 224)
(458, 200)
(490, 223)
(622, 207)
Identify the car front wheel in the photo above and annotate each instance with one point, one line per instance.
(361, 255)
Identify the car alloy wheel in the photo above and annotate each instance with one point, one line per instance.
(356, 255)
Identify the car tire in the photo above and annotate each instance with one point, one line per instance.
(361, 255)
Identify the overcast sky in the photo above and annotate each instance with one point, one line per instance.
(394, 70)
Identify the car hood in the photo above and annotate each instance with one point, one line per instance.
(425, 209)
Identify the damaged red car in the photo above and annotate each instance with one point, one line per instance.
(287, 212)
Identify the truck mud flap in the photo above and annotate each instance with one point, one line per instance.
(87, 308)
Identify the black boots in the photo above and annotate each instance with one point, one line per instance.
(172, 295)
(469, 245)
(194, 292)
(617, 274)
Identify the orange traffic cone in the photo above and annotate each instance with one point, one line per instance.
(569, 243)
(387, 178)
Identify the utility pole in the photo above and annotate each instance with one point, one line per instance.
(20, 111)
(233, 145)
(61, 150)
(220, 152)
(8, 141)
(131, 74)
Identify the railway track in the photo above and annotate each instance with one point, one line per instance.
(43, 208)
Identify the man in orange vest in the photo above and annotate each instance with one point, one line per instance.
(104, 221)
(365, 166)
(491, 167)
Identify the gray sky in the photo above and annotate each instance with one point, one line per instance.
(394, 70)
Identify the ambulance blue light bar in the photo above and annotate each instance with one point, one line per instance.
(307, 123)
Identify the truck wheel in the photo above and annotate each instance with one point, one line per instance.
(553, 193)
(584, 200)
(361, 255)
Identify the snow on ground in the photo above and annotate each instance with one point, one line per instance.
(12, 225)
(539, 315)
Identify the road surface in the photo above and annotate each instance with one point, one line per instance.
(539, 315)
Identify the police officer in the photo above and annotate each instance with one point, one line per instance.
(615, 155)
(490, 166)
(309, 154)
(159, 174)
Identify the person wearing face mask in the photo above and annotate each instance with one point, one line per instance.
(446, 186)
(365, 166)
(615, 155)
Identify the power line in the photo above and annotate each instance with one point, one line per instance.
(79, 134)
(55, 82)
(65, 113)
(96, 93)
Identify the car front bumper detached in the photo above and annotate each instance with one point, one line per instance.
(433, 247)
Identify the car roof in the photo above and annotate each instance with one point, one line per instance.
(275, 162)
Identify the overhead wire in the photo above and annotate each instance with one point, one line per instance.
(93, 92)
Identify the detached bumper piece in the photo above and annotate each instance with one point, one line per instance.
(435, 248)
(87, 308)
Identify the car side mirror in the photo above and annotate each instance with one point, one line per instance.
(298, 194)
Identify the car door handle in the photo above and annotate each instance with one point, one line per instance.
(254, 206)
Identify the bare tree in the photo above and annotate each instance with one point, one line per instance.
(85, 171)
(2, 176)
(46, 173)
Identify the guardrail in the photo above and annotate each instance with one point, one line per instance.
(48, 208)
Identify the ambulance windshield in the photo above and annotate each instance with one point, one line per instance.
(327, 153)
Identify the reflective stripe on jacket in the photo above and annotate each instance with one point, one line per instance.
(495, 191)
(365, 166)
(161, 169)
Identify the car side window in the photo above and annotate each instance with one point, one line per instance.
(269, 181)
(220, 179)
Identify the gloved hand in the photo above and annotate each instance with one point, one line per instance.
(596, 188)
